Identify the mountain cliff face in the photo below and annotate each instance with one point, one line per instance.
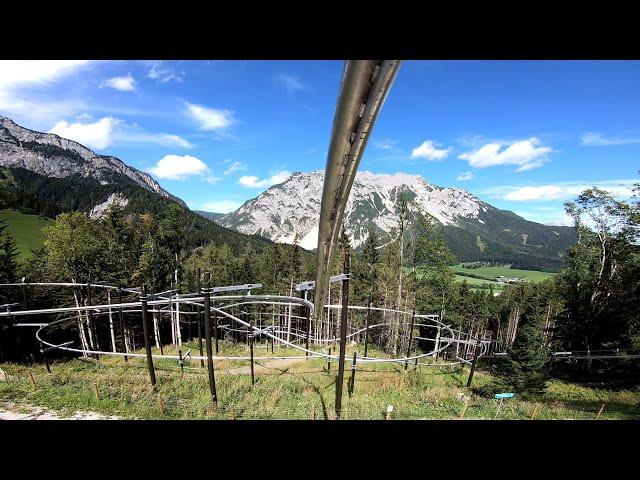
(474, 229)
(49, 155)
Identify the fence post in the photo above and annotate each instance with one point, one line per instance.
(343, 333)
(600, 411)
(535, 411)
(366, 331)
(413, 319)
(253, 381)
(308, 314)
(476, 352)
(215, 329)
(46, 361)
(199, 317)
(207, 331)
(352, 380)
(464, 409)
(145, 331)
(121, 321)
(329, 361)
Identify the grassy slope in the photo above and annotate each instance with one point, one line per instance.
(25, 229)
(478, 281)
(297, 390)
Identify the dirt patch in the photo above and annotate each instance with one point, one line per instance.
(12, 411)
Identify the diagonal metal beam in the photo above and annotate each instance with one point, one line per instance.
(363, 90)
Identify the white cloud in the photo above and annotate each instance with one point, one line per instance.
(251, 181)
(210, 118)
(18, 75)
(97, 135)
(164, 73)
(125, 83)
(221, 206)
(235, 167)
(109, 131)
(290, 82)
(598, 139)
(385, 144)
(212, 179)
(465, 176)
(430, 151)
(164, 139)
(560, 191)
(523, 153)
(552, 217)
(177, 167)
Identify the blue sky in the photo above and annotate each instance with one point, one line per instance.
(522, 135)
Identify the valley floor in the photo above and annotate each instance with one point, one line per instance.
(284, 389)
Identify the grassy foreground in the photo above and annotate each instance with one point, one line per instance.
(288, 389)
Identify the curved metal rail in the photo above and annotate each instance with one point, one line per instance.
(363, 90)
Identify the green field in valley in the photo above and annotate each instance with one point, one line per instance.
(492, 272)
(25, 229)
(479, 282)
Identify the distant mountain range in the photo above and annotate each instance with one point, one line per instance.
(45, 174)
(474, 229)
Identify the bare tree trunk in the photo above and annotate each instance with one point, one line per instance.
(81, 332)
(289, 312)
(173, 326)
(515, 324)
(156, 329)
(111, 331)
(178, 334)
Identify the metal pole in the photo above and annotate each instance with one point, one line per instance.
(352, 380)
(548, 371)
(366, 331)
(253, 381)
(159, 320)
(198, 316)
(145, 331)
(329, 361)
(308, 312)
(207, 331)
(308, 315)
(476, 352)
(215, 330)
(343, 333)
(46, 362)
(121, 321)
(413, 318)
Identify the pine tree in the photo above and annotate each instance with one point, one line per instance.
(523, 367)
(8, 254)
(370, 259)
